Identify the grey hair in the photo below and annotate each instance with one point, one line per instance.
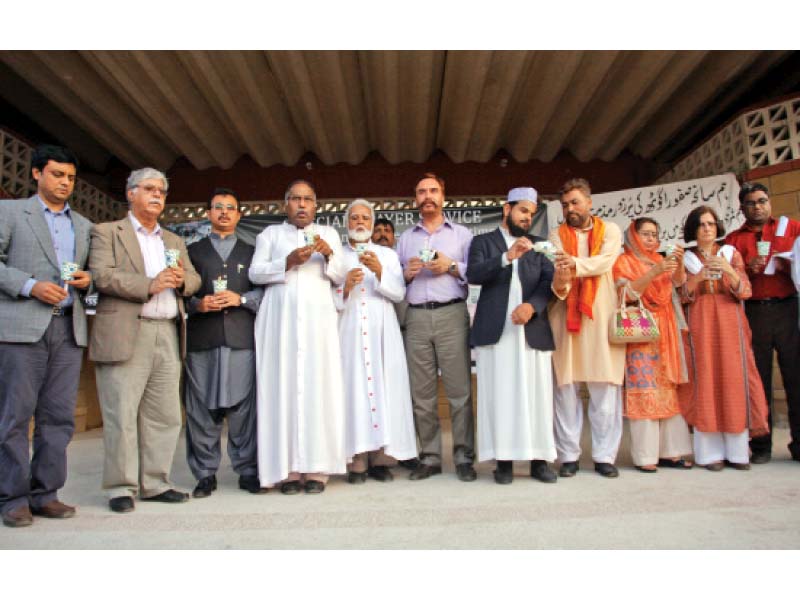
(358, 202)
(297, 182)
(138, 176)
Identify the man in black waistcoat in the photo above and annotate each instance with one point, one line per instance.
(220, 362)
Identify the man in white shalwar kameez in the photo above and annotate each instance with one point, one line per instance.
(300, 403)
(379, 421)
(513, 343)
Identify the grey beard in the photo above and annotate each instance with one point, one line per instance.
(359, 236)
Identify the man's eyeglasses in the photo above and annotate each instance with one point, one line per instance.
(754, 203)
(152, 189)
(223, 207)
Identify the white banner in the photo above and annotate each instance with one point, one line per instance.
(666, 204)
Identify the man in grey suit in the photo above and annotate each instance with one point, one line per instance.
(42, 335)
(138, 340)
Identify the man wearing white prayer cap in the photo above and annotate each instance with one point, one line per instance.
(514, 343)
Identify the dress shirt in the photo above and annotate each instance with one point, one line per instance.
(63, 235)
(744, 240)
(452, 240)
(164, 304)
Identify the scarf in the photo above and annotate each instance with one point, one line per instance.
(581, 296)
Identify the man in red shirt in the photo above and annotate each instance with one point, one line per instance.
(772, 310)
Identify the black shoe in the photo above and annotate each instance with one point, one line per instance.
(314, 487)
(355, 477)
(290, 487)
(760, 457)
(737, 466)
(121, 504)
(794, 450)
(568, 469)
(542, 472)
(205, 486)
(504, 472)
(466, 472)
(251, 483)
(606, 469)
(424, 471)
(170, 497)
(380, 473)
(410, 464)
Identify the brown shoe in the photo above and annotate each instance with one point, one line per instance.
(55, 510)
(18, 517)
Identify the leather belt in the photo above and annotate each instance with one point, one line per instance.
(62, 311)
(435, 305)
(771, 300)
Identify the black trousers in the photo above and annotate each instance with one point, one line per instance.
(775, 328)
(38, 380)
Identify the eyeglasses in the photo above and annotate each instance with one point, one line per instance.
(299, 198)
(152, 189)
(754, 203)
(653, 235)
(223, 207)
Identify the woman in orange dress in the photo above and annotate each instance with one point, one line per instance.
(653, 370)
(724, 400)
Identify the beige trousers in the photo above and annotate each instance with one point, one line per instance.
(652, 439)
(140, 402)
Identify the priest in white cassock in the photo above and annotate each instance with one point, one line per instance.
(300, 405)
(379, 418)
(513, 343)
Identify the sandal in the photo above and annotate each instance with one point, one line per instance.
(675, 464)
(644, 470)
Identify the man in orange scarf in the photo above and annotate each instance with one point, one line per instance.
(586, 297)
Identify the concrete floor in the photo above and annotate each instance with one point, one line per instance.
(673, 509)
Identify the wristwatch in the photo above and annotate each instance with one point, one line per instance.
(452, 268)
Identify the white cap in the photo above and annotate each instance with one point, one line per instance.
(522, 193)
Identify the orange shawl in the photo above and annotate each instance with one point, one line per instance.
(657, 298)
(581, 296)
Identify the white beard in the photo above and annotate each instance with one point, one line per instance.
(359, 236)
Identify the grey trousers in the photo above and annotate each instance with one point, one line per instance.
(204, 430)
(434, 339)
(38, 380)
(140, 402)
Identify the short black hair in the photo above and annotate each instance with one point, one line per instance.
(223, 191)
(750, 187)
(47, 152)
(692, 223)
(384, 221)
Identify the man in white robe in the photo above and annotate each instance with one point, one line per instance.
(513, 343)
(379, 418)
(300, 405)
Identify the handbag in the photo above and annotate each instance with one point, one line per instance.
(632, 324)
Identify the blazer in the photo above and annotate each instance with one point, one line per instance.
(485, 269)
(26, 251)
(117, 266)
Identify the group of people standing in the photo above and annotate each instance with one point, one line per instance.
(325, 357)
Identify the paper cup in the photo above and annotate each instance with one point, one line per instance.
(310, 235)
(361, 248)
(669, 250)
(68, 269)
(547, 248)
(220, 285)
(426, 254)
(171, 255)
(763, 248)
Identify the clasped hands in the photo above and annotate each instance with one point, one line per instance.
(437, 266)
(52, 293)
(169, 278)
(300, 256)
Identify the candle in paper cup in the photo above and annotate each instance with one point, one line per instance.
(68, 269)
(361, 247)
(669, 250)
(547, 248)
(310, 235)
(220, 285)
(427, 254)
(172, 255)
(763, 248)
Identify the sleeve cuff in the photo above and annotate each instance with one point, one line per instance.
(26, 289)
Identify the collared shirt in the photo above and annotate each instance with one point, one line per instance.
(744, 240)
(62, 233)
(451, 239)
(164, 304)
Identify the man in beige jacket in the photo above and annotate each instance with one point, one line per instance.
(137, 341)
(584, 285)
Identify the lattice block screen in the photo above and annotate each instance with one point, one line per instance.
(16, 180)
(759, 138)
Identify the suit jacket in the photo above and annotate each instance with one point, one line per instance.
(485, 269)
(117, 266)
(26, 251)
